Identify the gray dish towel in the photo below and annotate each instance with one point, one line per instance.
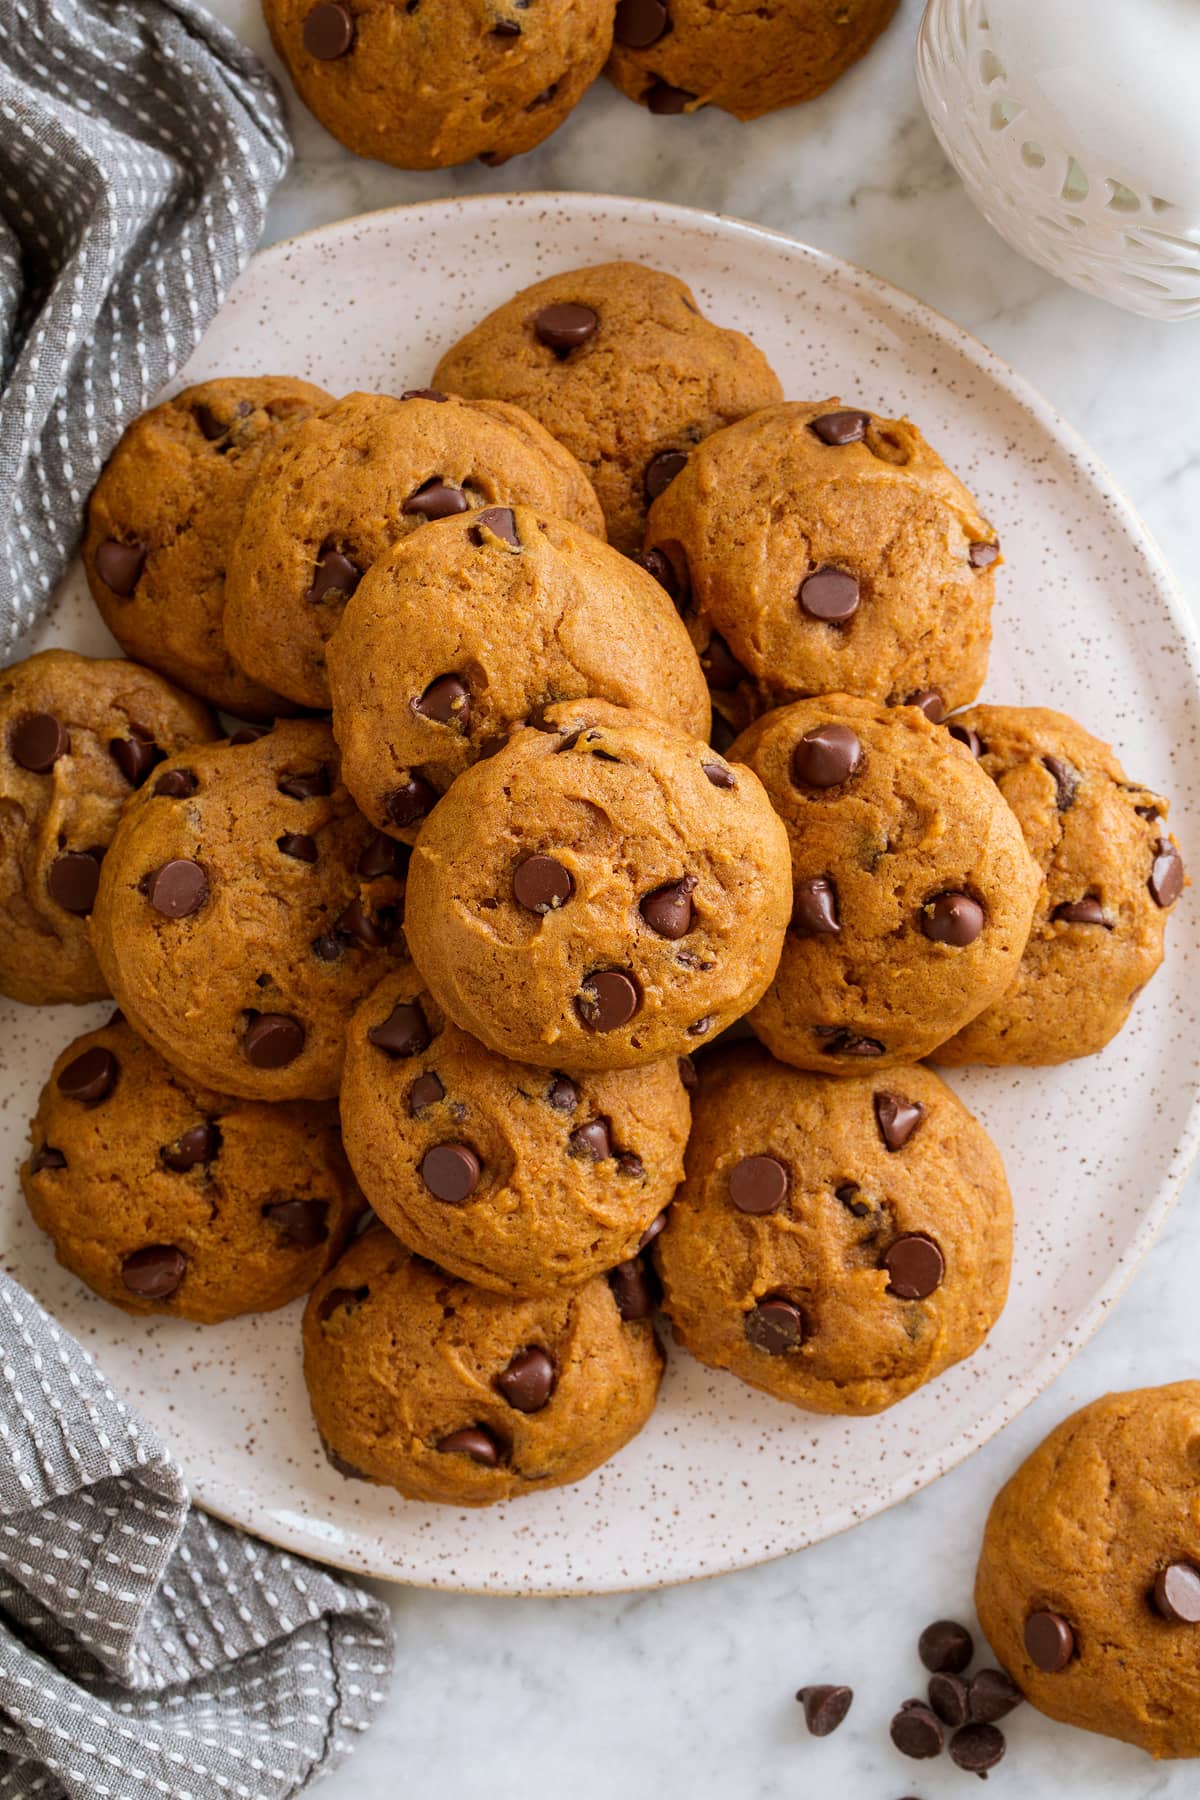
(139, 143)
(146, 1650)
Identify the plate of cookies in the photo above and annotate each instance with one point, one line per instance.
(585, 864)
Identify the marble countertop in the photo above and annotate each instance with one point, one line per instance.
(689, 1690)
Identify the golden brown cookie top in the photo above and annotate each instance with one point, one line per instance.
(245, 909)
(457, 634)
(163, 518)
(77, 736)
(601, 893)
(621, 365)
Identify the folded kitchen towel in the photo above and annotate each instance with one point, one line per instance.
(145, 1649)
(139, 143)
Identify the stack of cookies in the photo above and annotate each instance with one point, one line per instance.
(422, 966)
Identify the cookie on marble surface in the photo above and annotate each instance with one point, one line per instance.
(449, 1394)
(347, 484)
(620, 364)
(245, 908)
(425, 87)
(818, 549)
(1088, 1586)
(77, 736)
(456, 635)
(1111, 874)
(517, 1178)
(601, 893)
(835, 1243)
(165, 1197)
(163, 518)
(677, 55)
(913, 889)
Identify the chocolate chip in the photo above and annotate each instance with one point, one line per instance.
(177, 784)
(897, 1119)
(541, 884)
(403, 1033)
(946, 1647)
(135, 755)
(953, 919)
(1087, 911)
(341, 1299)
(930, 702)
(562, 1094)
(826, 756)
(434, 499)
(335, 573)
(425, 1091)
(446, 701)
(633, 1289)
(838, 428)
(662, 98)
(528, 1381)
(119, 566)
(435, 394)
(607, 1000)
(328, 31)
(661, 471)
(915, 1267)
(309, 784)
(964, 734)
(656, 563)
(949, 1698)
(38, 742)
(329, 947)
(273, 1040)
(1177, 1593)
(248, 734)
(850, 1195)
(640, 23)
(1066, 781)
(977, 1748)
(451, 1172)
(215, 428)
(195, 1148)
(303, 1223)
(91, 1077)
(992, 1695)
(383, 856)
(917, 1731)
(46, 1157)
(474, 1442)
(758, 1184)
(337, 1461)
(299, 845)
(591, 1141)
(177, 888)
(722, 670)
(814, 907)
(408, 804)
(654, 1229)
(1049, 1641)
(72, 880)
(506, 28)
(687, 1074)
(775, 1325)
(1166, 876)
(564, 326)
(982, 555)
(373, 931)
(668, 910)
(155, 1272)
(839, 1041)
(824, 1708)
(830, 595)
(719, 775)
(501, 522)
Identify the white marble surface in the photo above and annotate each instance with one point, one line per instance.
(690, 1690)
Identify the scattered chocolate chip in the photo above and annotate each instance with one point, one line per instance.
(209, 424)
(640, 23)
(329, 947)
(719, 775)
(135, 755)
(897, 1119)
(953, 919)
(383, 856)
(668, 909)
(1166, 876)
(177, 784)
(946, 1647)
(775, 1325)
(664, 99)
(273, 1040)
(303, 1223)
(372, 931)
(917, 1731)
(992, 1695)
(758, 1184)
(446, 701)
(824, 1707)
(91, 1077)
(982, 556)
(562, 1094)
(72, 880)
(528, 1381)
(248, 734)
(1177, 1593)
(656, 563)
(501, 522)
(607, 1000)
(565, 326)
(328, 31)
(654, 1229)
(194, 1149)
(838, 428)
(591, 1141)
(1087, 911)
(661, 471)
(46, 1157)
(119, 566)
(178, 888)
(1049, 1641)
(434, 499)
(687, 1074)
(948, 1696)
(154, 1273)
(506, 28)
(341, 1299)
(633, 1290)
(841, 1042)
(826, 756)
(930, 702)
(425, 1091)
(977, 1748)
(435, 394)
(965, 734)
(700, 1026)
(337, 1461)
(309, 784)
(814, 907)
(298, 845)
(335, 573)
(915, 1267)
(1066, 781)
(830, 595)
(408, 804)
(474, 1442)
(451, 1172)
(403, 1033)
(850, 1195)
(722, 670)
(541, 884)
(38, 742)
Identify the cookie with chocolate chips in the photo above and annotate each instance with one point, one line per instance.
(348, 483)
(245, 908)
(601, 893)
(1088, 1585)
(1111, 873)
(520, 1179)
(163, 518)
(913, 891)
(165, 1197)
(77, 737)
(821, 549)
(457, 635)
(835, 1243)
(449, 1394)
(621, 365)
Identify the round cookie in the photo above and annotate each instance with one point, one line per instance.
(456, 635)
(450, 1394)
(620, 364)
(675, 56)
(344, 486)
(601, 893)
(913, 889)
(163, 517)
(835, 1243)
(1088, 1586)
(819, 550)
(245, 908)
(165, 1197)
(77, 736)
(513, 1177)
(1111, 873)
(424, 87)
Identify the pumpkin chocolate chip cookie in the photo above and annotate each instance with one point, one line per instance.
(244, 910)
(601, 893)
(913, 889)
(456, 635)
(1111, 874)
(818, 550)
(165, 1197)
(345, 485)
(77, 736)
(835, 1243)
(518, 1178)
(423, 1383)
(621, 365)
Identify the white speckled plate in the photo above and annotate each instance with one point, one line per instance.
(1087, 621)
